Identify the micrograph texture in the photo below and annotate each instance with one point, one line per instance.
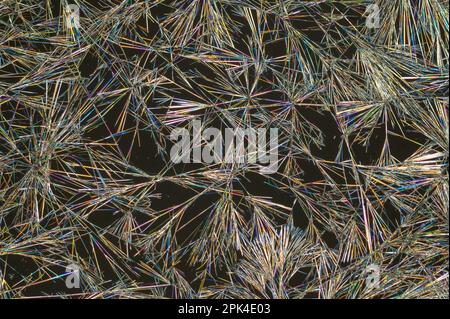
(93, 205)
